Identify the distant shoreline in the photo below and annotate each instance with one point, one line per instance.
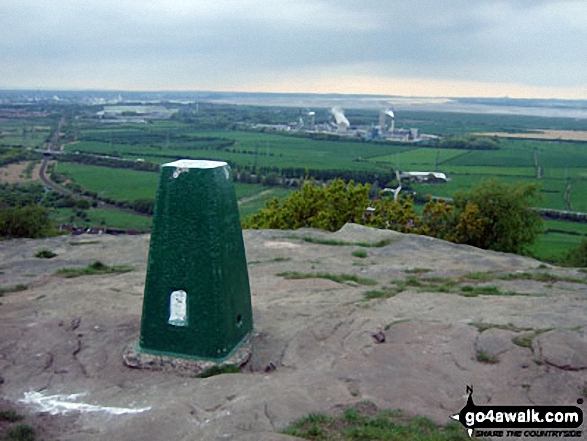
(553, 108)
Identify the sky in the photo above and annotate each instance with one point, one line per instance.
(440, 48)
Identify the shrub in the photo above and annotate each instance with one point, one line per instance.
(577, 256)
(31, 221)
(45, 254)
(22, 432)
(490, 216)
(498, 217)
(82, 204)
(327, 208)
(10, 415)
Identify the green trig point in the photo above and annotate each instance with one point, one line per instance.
(197, 305)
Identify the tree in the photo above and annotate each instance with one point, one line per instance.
(30, 221)
(492, 215)
(82, 204)
(508, 222)
(577, 256)
(328, 208)
(143, 205)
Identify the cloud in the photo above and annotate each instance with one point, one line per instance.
(229, 44)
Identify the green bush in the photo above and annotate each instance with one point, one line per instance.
(45, 254)
(506, 221)
(82, 204)
(10, 415)
(577, 256)
(22, 432)
(327, 208)
(31, 221)
(491, 215)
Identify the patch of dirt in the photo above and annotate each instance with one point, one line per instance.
(564, 135)
(313, 347)
(14, 173)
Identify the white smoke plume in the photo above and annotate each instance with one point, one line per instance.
(339, 116)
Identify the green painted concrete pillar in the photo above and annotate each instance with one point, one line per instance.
(197, 301)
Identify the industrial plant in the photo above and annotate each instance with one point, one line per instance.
(383, 129)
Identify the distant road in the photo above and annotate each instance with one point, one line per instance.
(47, 182)
(53, 148)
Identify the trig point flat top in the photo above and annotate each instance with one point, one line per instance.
(195, 163)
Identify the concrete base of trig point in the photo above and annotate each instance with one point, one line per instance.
(188, 367)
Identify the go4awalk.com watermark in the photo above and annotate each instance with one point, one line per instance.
(521, 421)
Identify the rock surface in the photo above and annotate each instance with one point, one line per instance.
(62, 340)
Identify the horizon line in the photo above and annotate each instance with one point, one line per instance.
(147, 91)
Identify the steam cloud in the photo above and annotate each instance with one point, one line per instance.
(339, 116)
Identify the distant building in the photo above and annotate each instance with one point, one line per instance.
(428, 177)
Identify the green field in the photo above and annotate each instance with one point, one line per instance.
(100, 217)
(112, 182)
(415, 157)
(577, 228)
(123, 184)
(158, 143)
(552, 247)
(27, 133)
(252, 205)
(563, 163)
(558, 239)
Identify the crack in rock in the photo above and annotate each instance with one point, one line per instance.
(266, 412)
(562, 349)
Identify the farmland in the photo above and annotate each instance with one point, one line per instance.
(112, 182)
(100, 217)
(549, 152)
(24, 134)
(561, 163)
(161, 141)
(558, 238)
(131, 184)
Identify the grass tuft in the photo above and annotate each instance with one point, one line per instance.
(45, 254)
(362, 422)
(395, 322)
(360, 254)
(10, 415)
(378, 244)
(474, 291)
(84, 242)
(280, 259)
(418, 270)
(524, 341)
(542, 277)
(509, 327)
(12, 288)
(479, 276)
(380, 294)
(218, 370)
(484, 357)
(92, 269)
(339, 278)
(22, 432)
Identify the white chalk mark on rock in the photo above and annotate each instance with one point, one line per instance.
(62, 404)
